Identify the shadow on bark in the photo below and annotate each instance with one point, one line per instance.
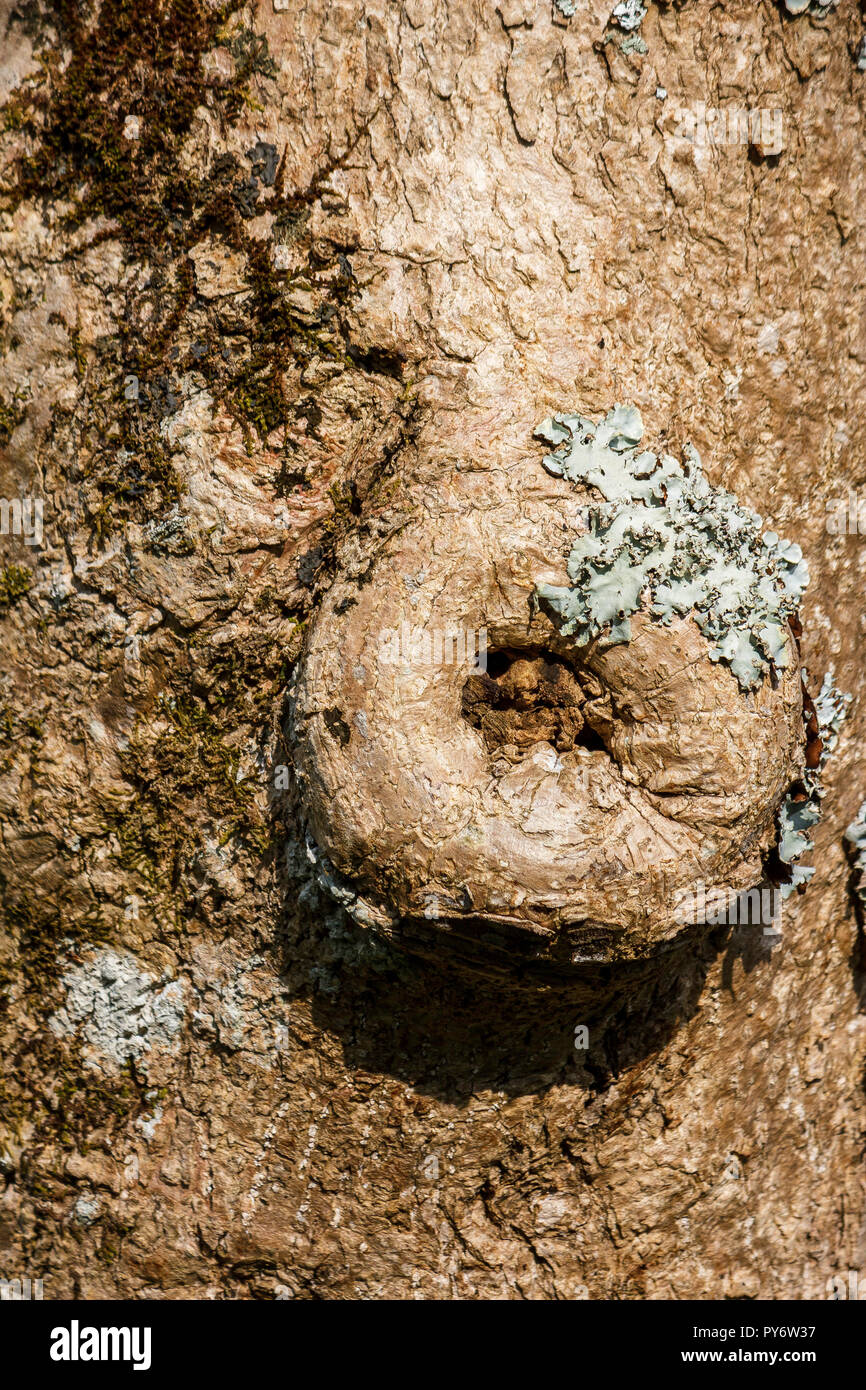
(449, 1033)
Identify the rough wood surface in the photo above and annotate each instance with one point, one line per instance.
(257, 267)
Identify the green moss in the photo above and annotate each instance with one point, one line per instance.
(46, 1085)
(242, 679)
(18, 729)
(17, 112)
(184, 768)
(46, 933)
(187, 785)
(85, 1103)
(143, 58)
(83, 156)
(10, 417)
(133, 476)
(80, 158)
(160, 215)
(15, 581)
(79, 356)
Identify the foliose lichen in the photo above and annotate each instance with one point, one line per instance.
(821, 8)
(801, 809)
(628, 14)
(665, 532)
(856, 837)
(566, 7)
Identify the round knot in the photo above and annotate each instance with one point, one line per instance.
(477, 767)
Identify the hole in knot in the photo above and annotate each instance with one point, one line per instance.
(524, 698)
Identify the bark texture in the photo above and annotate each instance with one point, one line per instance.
(264, 272)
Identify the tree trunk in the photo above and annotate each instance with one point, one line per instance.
(276, 281)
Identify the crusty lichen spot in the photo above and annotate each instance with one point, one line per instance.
(119, 1011)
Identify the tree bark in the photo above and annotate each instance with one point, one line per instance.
(270, 275)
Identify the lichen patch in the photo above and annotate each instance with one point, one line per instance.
(665, 533)
(119, 1011)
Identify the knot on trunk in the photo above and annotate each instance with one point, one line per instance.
(494, 749)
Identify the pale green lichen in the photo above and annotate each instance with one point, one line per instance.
(664, 533)
(831, 707)
(566, 7)
(628, 14)
(856, 837)
(801, 809)
(815, 6)
(796, 820)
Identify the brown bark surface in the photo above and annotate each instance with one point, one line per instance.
(262, 271)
